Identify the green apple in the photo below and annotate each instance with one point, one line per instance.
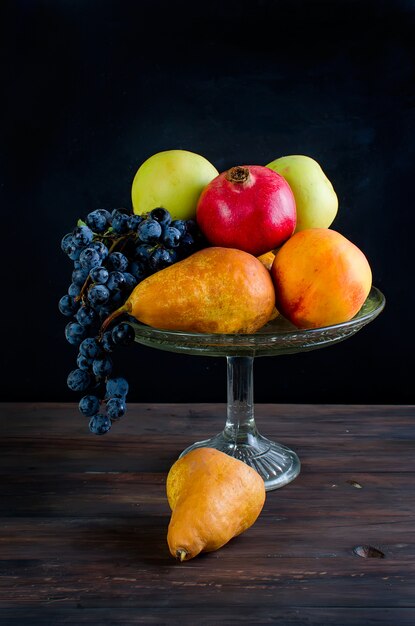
(315, 198)
(172, 179)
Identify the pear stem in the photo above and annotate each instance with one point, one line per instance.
(181, 554)
(125, 308)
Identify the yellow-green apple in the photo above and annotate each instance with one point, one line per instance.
(320, 278)
(315, 198)
(172, 179)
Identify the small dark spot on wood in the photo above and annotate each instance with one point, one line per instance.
(353, 483)
(368, 552)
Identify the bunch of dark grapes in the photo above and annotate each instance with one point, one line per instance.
(112, 252)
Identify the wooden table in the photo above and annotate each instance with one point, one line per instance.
(84, 521)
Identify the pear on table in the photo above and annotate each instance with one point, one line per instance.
(214, 497)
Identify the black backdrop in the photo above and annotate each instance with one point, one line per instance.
(91, 88)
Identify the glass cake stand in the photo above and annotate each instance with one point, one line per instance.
(277, 464)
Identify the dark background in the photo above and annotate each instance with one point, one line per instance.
(92, 88)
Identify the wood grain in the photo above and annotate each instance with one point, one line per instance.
(83, 521)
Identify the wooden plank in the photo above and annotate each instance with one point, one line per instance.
(154, 454)
(311, 496)
(34, 420)
(145, 536)
(37, 438)
(289, 616)
(218, 580)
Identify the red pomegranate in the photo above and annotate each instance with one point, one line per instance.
(248, 207)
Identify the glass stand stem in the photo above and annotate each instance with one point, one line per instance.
(275, 463)
(240, 424)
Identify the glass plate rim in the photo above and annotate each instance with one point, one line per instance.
(374, 293)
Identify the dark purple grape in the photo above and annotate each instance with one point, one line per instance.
(90, 348)
(171, 237)
(67, 305)
(130, 281)
(102, 367)
(134, 221)
(101, 248)
(116, 281)
(117, 262)
(79, 276)
(89, 405)
(98, 220)
(160, 259)
(82, 236)
(78, 380)
(99, 275)
(67, 244)
(74, 290)
(119, 221)
(180, 225)
(143, 252)
(149, 231)
(99, 424)
(116, 387)
(137, 269)
(89, 258)
(162, 216)
(98, 294)
(75, 333)
(107, 341)
(116, 408)
(84, 363)
(123, 334)
(86, 316)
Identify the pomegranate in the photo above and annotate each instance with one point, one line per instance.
(248, 207)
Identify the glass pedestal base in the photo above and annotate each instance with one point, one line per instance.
(275, 463)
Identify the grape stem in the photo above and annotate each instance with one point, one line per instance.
(117, 241)
(83, 289)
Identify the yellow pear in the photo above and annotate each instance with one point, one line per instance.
(214, 497)
(215, 290)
